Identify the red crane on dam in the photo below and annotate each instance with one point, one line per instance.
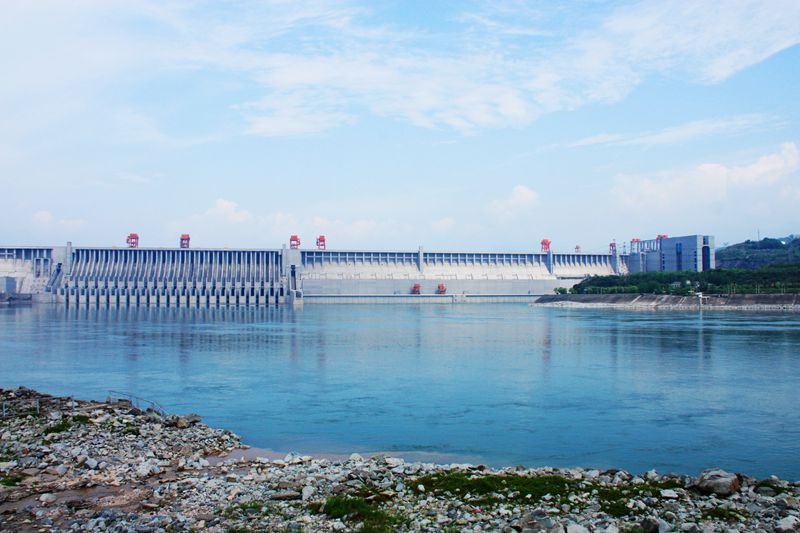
(321, 242)
(612, 247)
(294, 242)
(185, 241)
(545, 245)
(132, 240)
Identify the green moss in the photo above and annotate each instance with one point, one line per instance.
(355, 508)
(512, 487)
(634, 529)
(10, 481)
(728, 515)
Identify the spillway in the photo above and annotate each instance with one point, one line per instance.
(169, 277)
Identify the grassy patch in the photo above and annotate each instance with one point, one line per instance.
(10, 481)
(81, 419)
(244, 510)
(614, 500)
(355, 508)
(59, 427)
(728, 515)
(372, 493)
(66, 423)
(490, 487)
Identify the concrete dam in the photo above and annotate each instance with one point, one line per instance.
(183, 277)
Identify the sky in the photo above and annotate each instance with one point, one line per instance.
(463, 125)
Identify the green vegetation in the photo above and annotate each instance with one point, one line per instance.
(614, 500)
(10, 481)
(771, 484)
(244, 510)
(771, 279)
(66, 423)
(490, 489)
(757, 254)
(729, 515)
(355, 508)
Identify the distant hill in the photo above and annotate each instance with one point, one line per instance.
(757, 254)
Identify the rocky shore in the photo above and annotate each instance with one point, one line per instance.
(70, 465)
(732, 302)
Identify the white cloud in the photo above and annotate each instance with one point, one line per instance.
(228, 211)
(443, 224)
(677, 134)
(43, 217)
(48, 219)
(282, 115)
(520, 199)
(316, 65)
(708, 183)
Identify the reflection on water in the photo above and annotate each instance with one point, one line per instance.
(502, 384)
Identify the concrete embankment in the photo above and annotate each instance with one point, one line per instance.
(733, 302)
(97, 466)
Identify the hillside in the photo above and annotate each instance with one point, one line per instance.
(756, 254)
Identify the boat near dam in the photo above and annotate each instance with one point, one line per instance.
(222, 277)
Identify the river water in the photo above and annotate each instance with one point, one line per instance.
(497, 384)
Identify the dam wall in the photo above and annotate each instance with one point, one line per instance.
(170, 277)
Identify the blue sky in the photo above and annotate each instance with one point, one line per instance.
(390, 124)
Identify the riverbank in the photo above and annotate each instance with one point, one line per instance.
(85, 466)
(733, 302)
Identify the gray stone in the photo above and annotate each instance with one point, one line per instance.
(47, 498)
(718, 482)
(787, 524)
(286, 495)
(651, 524)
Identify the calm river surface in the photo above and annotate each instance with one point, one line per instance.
(499, 384)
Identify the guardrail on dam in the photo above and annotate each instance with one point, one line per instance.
(168, 277)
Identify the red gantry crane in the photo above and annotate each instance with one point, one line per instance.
(321, 242)
(133, 240)
(545, 245)
(185, 241)
(294, 242)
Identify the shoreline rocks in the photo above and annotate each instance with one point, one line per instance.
(69, 465)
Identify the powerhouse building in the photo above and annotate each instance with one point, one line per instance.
(694, 253)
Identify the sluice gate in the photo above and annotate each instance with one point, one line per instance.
(139, 277)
